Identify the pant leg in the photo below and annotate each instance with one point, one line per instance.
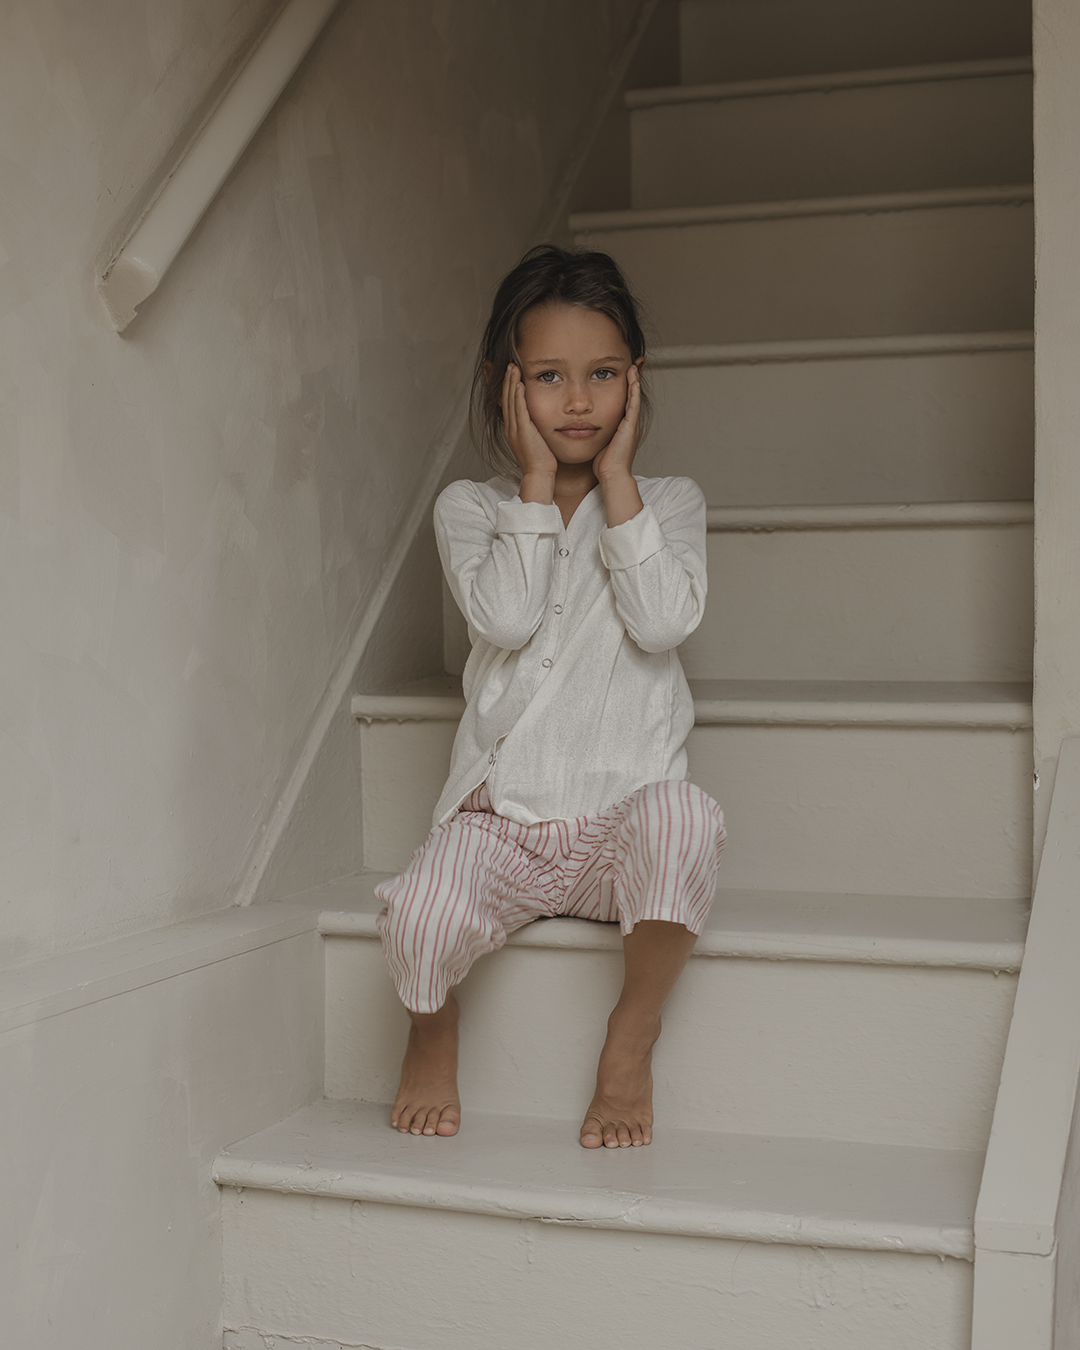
(464, 890)
(654, 855)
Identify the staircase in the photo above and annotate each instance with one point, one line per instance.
(838, 262)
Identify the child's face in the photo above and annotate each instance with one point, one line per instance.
(573, 364)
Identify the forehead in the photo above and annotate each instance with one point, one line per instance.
(548, 331)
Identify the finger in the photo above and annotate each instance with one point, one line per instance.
(506, 398)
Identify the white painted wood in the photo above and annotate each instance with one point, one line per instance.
(867, 809)
(555, 1282)
(942, 807)
(1014, 1302)
(1018, 1203)
(839, 597)
(903, 264)
(846, 995)
(593, 222)
(858, 516)
(823, 83)
(536, 1285)
(771, 925)
(704, 1184)
(870, 703)
(740, 143)
(748, 41)
(196, 179)
(834, 349)
(806, 425)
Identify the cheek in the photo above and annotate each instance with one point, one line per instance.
(541, 402)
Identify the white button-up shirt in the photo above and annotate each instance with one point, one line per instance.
(574, 692)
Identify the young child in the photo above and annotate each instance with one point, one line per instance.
(567, 791)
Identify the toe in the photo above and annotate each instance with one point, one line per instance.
(592, 1133)
(448, 1123)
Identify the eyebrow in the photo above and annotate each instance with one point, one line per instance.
(555, 360)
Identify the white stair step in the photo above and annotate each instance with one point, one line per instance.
(335, 1227)
(964, 124)
(790, 37)
(868, 787)
(930, 602)
(847, 996)
(934, 417)
(904, 263)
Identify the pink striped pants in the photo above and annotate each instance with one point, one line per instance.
(480, 876)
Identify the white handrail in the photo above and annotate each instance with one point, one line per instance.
(136, 271)
(1018, 1209)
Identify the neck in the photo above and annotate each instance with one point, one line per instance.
(574, 481)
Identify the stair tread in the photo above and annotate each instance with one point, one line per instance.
(973, 933)
(845, 79)
(781, 702)
(658, 217)
(810, 1192)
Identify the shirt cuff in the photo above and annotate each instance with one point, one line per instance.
(632, 542)
(515, 517)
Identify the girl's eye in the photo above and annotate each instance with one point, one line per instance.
(603, 375)
(548, 377)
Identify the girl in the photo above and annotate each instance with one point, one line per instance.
(567, 791)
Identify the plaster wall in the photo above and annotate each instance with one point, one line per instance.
(1057, 390)
(195, 517)
(111, 1114)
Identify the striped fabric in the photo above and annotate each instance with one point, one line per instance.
(479, 876)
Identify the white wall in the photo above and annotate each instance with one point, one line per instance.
(194, 519)
(1057, 390)
(194, 516)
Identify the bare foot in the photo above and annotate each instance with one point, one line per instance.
(427, 1098)
(620, 1114)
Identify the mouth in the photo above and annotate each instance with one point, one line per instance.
(578, 431)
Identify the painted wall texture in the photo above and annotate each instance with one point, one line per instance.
(1057, 390)
(194, 516)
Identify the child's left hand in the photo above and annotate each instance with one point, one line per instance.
(617, 457)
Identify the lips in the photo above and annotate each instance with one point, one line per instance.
(578, 430)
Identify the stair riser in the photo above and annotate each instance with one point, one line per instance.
(883, 811)
(948, 428)
(790, 37)
(384, 1275)
(840, 142)
(867, 604)
(792, 1048)
(950, 269)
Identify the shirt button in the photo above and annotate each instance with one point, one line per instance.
(558, 609)
(546, 662)
(491, 759)
(564, 553)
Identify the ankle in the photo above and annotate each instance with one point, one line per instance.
(633, 1025)
(442, 1022)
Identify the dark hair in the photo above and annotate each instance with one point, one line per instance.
(547, 275)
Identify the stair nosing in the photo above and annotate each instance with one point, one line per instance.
(1005, 713)
(741, 940)
(872, 515)
(616, 1205)
(599, 222)
(554, 935)
(936, 72)
(690, 355)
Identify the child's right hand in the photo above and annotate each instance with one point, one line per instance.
(530, 449)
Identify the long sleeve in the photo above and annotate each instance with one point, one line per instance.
(499, 564)
(656, 562)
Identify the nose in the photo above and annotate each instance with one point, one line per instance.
(578, 397)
